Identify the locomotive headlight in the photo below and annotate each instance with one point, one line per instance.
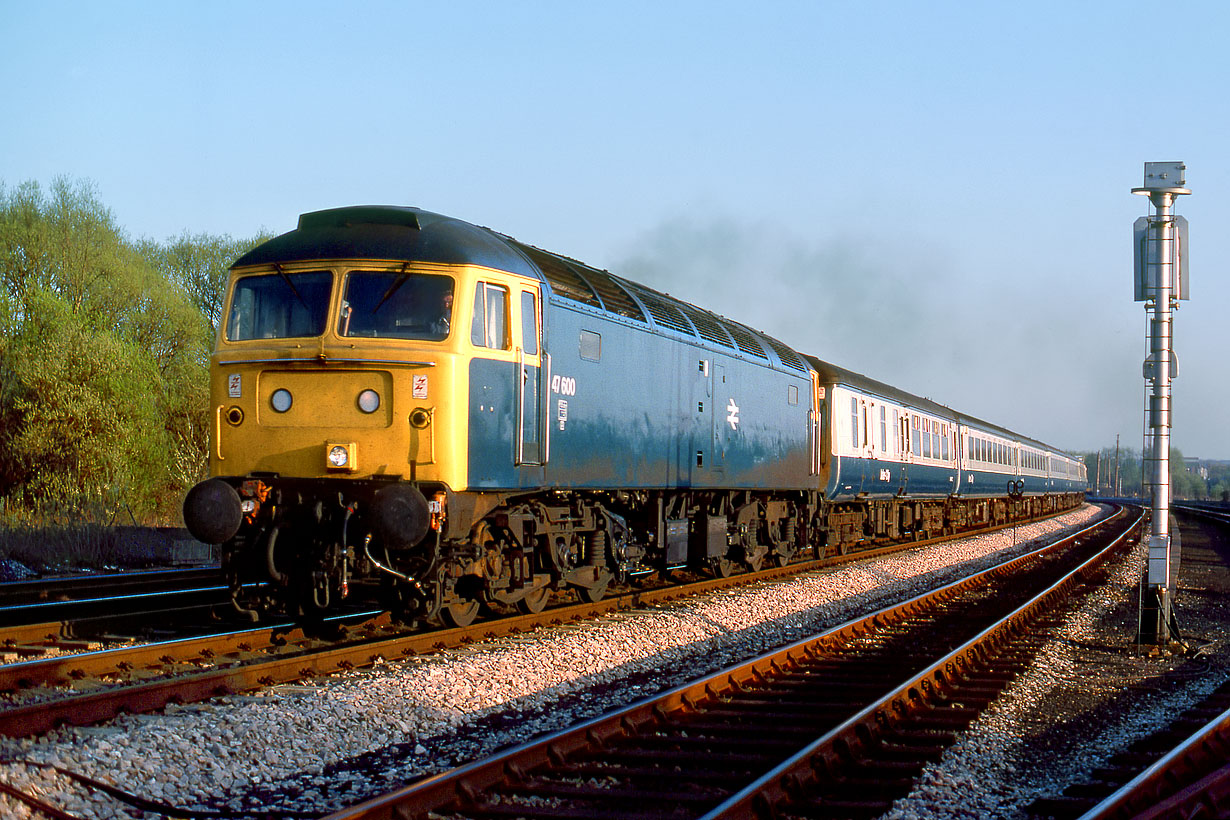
(340, 457)
(369, 401)
(281, 400)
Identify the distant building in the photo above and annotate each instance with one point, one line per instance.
(1196, 466)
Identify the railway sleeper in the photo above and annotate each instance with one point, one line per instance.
(730, 761)
(819, 716)
(700, 773)
(543, 786)
(713, 744)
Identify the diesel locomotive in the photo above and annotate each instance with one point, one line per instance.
(413, 410)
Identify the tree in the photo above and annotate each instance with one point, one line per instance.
(200, 265)
(104, 350)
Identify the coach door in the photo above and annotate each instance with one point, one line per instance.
(815, 427)
(530, 423)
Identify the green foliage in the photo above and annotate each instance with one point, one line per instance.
(199, 265)
(104, 350)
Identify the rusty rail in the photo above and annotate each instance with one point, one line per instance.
(648, 759)
(148, 677)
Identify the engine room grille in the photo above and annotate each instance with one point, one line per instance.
(613, 296)
(665, 312)
(788, 356)
(563, 279)
(581, 283)
(744, 339)
(707, 326)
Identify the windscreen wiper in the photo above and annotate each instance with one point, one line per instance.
(290, 285)
(393, 288)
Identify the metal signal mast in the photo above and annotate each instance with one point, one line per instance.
(1161, 281)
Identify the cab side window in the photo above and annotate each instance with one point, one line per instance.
(529, 323)
(490, 325)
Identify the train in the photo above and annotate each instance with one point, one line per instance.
(416, 411)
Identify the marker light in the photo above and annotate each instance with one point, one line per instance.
(369, 401)
(419, 418)
(281, 400)
(339, 456)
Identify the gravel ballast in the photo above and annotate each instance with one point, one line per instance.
(1089, 694)
(323, 745)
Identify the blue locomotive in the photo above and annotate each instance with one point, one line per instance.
(425, 412)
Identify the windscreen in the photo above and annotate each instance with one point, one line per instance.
(279, 306)
(397, 306)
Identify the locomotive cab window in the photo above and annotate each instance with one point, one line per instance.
(490, 325)
(279, 306)
(389, 305)
(529, 323)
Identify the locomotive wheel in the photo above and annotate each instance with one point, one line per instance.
(534, 602)
(722, 567)
(460, 614)
(592, 595)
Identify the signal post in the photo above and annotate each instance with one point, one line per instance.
(1161, 281)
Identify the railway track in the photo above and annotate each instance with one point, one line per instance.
(1180, 770)
(68, 614)
(837, 725)
(89, 687)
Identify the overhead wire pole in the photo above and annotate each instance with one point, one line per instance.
(1161, 281)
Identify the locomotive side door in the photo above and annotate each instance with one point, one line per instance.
(721, 418)
(531, 426)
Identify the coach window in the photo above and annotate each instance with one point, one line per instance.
(915, 436)
(490, 325)
(944, 441)
(883, 428)
(854, 421)
(926, 438)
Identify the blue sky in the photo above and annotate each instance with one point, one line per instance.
(935, 194)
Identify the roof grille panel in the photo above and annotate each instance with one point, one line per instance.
(563, 279)
(614, 298)
(787, 355)
(744, 339)
(664, 311)
(707, 325)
